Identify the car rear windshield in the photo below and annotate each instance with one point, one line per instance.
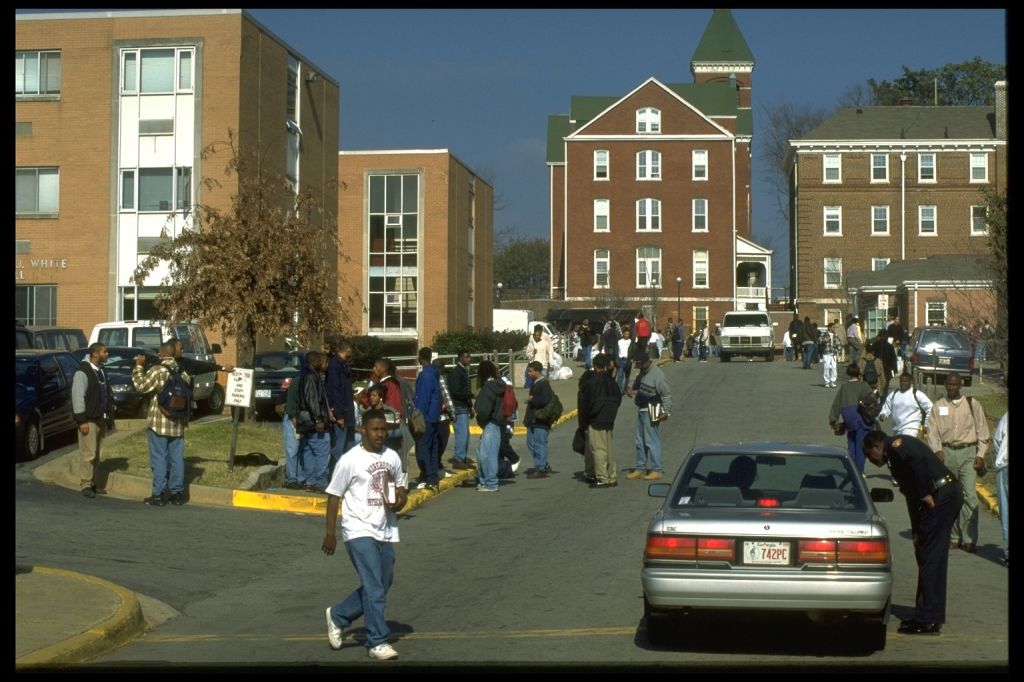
(790, 481)
(277, 362)
(745, 321)
(943, 340)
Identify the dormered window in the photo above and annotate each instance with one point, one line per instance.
(648, 120)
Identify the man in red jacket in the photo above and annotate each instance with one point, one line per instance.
(643, 332)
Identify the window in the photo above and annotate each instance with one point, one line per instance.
(36, 191)
(292, 98)
(979, 167)
(878, 264)
(979, 220)
(292, 153)
(601, 216)
(648, 215)
(602, 268)
(128, 190)
(648, 165)
(601, 164)
(926, 220)
(700, 164)
(832, 168)
(184, 69)
(700, 316)
(157, 126)
(834, 220)
(648, 120)
(393, 286)
(936, 313)
(36, 74)
(926, 167)
(158, 189)
(36, 303)
(648, 267)
(879, 168)
(833, 273)
(183, 188)
(879, 220)
(157, 70)
(700, 268)
(700, 215)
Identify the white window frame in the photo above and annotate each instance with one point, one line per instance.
(648, 164)
(699, 165)
(984, 214)
(880, 261)
(602, 256)
(135, 87)
(700, 317)
(838, 211)
(602, 209)
(933, 166)
(831, 162)
(833, 260)
(598, 165)
(934, 220)
(884, 167)
(931, 307)
(699, 214)
(648, 267)
(648, 211)
(42, 75)
(972, 166)
(122, 196)
(51, 171)
(874, 219)
(701, 267)
(648, 121)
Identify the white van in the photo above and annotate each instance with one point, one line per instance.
(150, 334)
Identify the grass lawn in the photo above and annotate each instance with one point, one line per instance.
(206, 451)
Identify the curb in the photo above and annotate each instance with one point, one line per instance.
(125, 625)
(988, 497)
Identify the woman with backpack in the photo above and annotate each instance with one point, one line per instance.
(490, 416)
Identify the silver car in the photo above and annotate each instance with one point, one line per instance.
(768, 527)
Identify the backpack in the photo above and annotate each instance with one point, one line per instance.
(550, 413)
(870, 373)
(509, 404)
(175, 398)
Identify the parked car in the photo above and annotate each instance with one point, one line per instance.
(128, 403)
(48, 336)
(768, 528)
(150, 334)
(938, 351)
(273, 374)
(42, 398)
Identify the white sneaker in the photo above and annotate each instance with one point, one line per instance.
(422, 485)
(382, 652)
(334, 633)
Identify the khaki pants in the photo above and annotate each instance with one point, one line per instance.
(90, 447)
(960, 461)
(600, 443)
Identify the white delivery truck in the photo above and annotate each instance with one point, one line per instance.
(509, 319)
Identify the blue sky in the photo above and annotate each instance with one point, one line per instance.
(481, 83)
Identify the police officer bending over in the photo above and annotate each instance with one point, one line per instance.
(934, 498)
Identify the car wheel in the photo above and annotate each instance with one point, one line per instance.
(33, 443)
(724, 357)
(143, 410)
(215, 403)
(769, 356)
(870, 636)
(967, 380)
(661, 627)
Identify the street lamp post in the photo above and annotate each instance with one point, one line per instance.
(654, 301)
(679, 283)
(498, 295)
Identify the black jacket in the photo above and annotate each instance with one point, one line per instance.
(915, 468)
(459, 387)
(194, 368)
(488, 403)
(313, 396)
(540, 395)
(599, 401)
(94, 404)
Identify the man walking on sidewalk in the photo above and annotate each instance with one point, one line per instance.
(654, 404)
(92, 402)
(369, 484)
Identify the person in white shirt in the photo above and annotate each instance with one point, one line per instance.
(1001, 443)
(787, 346)
(854, 339)
(539, 348)
(369, 485)
(829, 356)
(910, 409)
(658, 340)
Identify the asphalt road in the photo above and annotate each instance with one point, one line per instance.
(546, 572)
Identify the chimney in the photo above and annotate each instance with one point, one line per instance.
(906, 101)
(1001, 132)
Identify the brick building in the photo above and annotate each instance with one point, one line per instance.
(650, 192)
(416, 231)
(875, 185)
(112, 112)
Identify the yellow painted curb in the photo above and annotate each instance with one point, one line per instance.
(124, 625)
(301, 504)
(988, 497)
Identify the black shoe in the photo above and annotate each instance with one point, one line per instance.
(537, 473)
(88, 492)
(155, 501)
(98, 491)
(599, 484)
(178, 499)
(590, 480)
(292, 485)
(912, 627)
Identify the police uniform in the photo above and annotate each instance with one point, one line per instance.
(920, 473)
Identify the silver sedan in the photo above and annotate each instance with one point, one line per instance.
(768, 527)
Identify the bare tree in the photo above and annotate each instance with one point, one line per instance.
(856, 95)
(784, 122)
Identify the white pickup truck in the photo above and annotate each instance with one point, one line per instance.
(747, 332)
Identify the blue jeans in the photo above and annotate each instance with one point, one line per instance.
(1003, 492)
(342, 444)
(677, 350)
(808, 352)
(426, 453)
(702, 352)
(789, 353)
(622, 378)
(537, 444)
(374, 562)
(487, 455)
(167, 460)
(648, 442)
(461, 433)
(292, 470)
(314, 457)
(587, 350)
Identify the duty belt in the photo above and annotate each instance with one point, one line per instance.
(939, 482)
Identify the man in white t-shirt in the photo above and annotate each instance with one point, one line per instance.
(909, 407)
(369, 484)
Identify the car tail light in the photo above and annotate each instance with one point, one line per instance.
(768, 502)
(863, 551)
(670, 547)
(286, 383)
(720, 549)
(817, 552)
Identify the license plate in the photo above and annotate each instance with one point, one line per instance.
(944, 361)
(262, 392)
(766, 553)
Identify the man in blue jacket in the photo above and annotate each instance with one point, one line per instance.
(339, 397)
(427, 400)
